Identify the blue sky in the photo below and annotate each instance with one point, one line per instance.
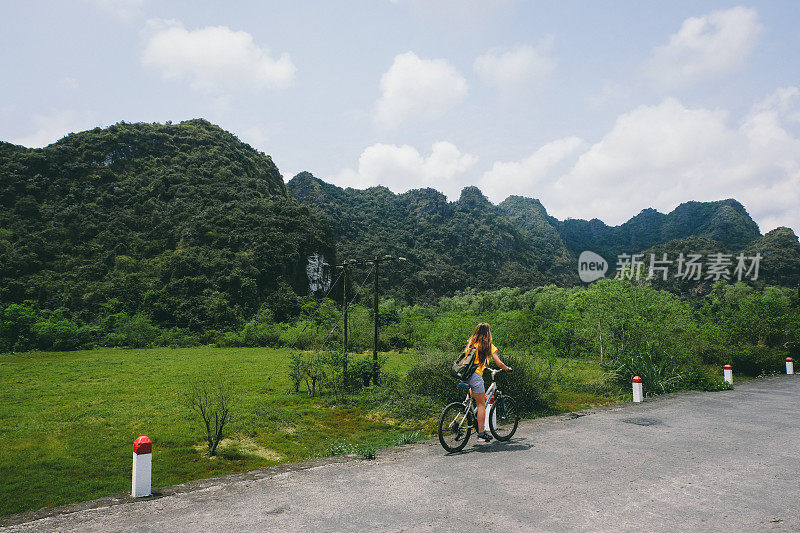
(599, 109)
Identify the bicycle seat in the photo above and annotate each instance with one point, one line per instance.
(463, 384)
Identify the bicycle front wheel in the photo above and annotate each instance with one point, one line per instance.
(503, 418)
(454, 427)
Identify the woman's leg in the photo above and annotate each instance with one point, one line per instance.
(478, 392)
(481, 399)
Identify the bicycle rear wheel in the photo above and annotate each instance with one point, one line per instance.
(503, 418)
(454, 427)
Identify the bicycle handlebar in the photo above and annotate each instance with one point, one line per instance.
(496, 371)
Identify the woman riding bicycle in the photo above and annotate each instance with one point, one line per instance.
(481, 340)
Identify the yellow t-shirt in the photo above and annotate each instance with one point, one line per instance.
(479, 369)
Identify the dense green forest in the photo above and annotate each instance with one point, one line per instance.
(182, 223)
(450, 245)
(474, 244)
(143, 234)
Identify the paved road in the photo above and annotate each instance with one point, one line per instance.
(692, 461)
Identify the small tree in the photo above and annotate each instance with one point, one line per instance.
(297, 370)
(212, 401)
(315, 374)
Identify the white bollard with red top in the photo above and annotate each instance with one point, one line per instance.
(638, 395)
(142, 467)
(727, 372)
(789, 366)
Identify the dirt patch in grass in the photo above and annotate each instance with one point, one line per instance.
(235, 446)
(382, 419)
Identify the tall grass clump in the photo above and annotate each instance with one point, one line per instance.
(661, 370)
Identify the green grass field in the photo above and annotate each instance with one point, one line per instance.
(68, 420)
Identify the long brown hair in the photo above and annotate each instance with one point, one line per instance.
(481, 340)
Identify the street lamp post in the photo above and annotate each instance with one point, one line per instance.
(375, 321)
(345, 347)
(376, 262)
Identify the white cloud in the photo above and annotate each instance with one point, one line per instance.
(514, 177)
(52, 127)
(705, 47)
(519, 72)
(416, 88)
(653, 138)
(401, 168)
(214, 59)
(782, 100)
(660, 156)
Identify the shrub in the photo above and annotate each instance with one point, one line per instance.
(696, 378)
(340, 447)
(359, 373)
(430, 376)
(314, 369)
(325, 370)
(529, 383)
(366, 452)
(230, 339)
(57, 333)
(177, 338)
(393, 397)
(301, 335)
(257, 333)
(133, 331)
(756, 360)
(297, 370)
(16, 322)
(398, 342)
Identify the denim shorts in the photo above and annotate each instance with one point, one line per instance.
(476, 383)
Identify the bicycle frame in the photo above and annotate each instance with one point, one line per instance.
(492, 393)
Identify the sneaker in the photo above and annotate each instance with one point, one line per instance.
(484, 437)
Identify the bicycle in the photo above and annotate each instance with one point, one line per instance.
(459, 418)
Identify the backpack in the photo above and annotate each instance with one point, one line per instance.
(464, 365)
